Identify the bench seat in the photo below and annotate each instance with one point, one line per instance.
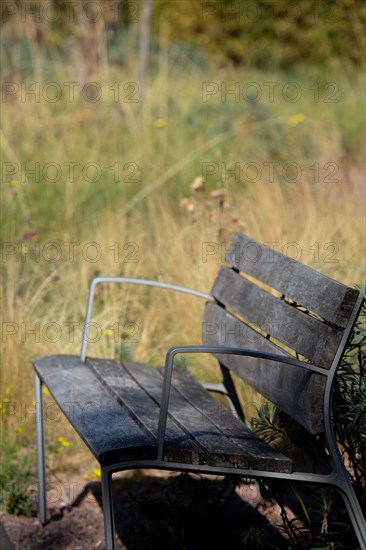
(115, 409)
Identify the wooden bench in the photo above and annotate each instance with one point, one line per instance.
(279, 325)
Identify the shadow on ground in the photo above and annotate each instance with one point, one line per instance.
(174, 511)
(183, 512)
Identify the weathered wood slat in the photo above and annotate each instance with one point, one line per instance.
(300, 332)
(260, 454)
(144, 410)
(90, 409)
(239, 448)
(211, 441)
(296, 391)
(316, 292)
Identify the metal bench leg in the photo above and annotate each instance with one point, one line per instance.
(107, 501)
(233, 395)
(41, 465)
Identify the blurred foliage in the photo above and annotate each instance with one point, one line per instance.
(265, 34)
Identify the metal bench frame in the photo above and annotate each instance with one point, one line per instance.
(338, 478)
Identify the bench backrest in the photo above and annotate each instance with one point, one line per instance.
(269, 302)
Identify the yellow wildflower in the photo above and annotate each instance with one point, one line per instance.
(24, 249)
(296, 119)
(160, 123)
(19, 430)
(108, 332)
(45, 391)
(14, 183)
(95, 473)
(63, 441)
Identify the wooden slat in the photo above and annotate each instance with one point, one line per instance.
(316, 292)
(296, 391)
(191, 408)
(300, 332)
(211, 441)
(142, 408)
(260, 454)
(108, 431)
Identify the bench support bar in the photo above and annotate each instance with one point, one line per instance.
(107, 500)
(42, 493)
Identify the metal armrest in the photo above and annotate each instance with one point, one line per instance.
(168, 370)
(128, 280)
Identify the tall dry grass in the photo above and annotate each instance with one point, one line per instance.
(323, 227)
(154, 225)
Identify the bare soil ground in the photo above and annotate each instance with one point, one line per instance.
(157, 511)
(154, 510)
